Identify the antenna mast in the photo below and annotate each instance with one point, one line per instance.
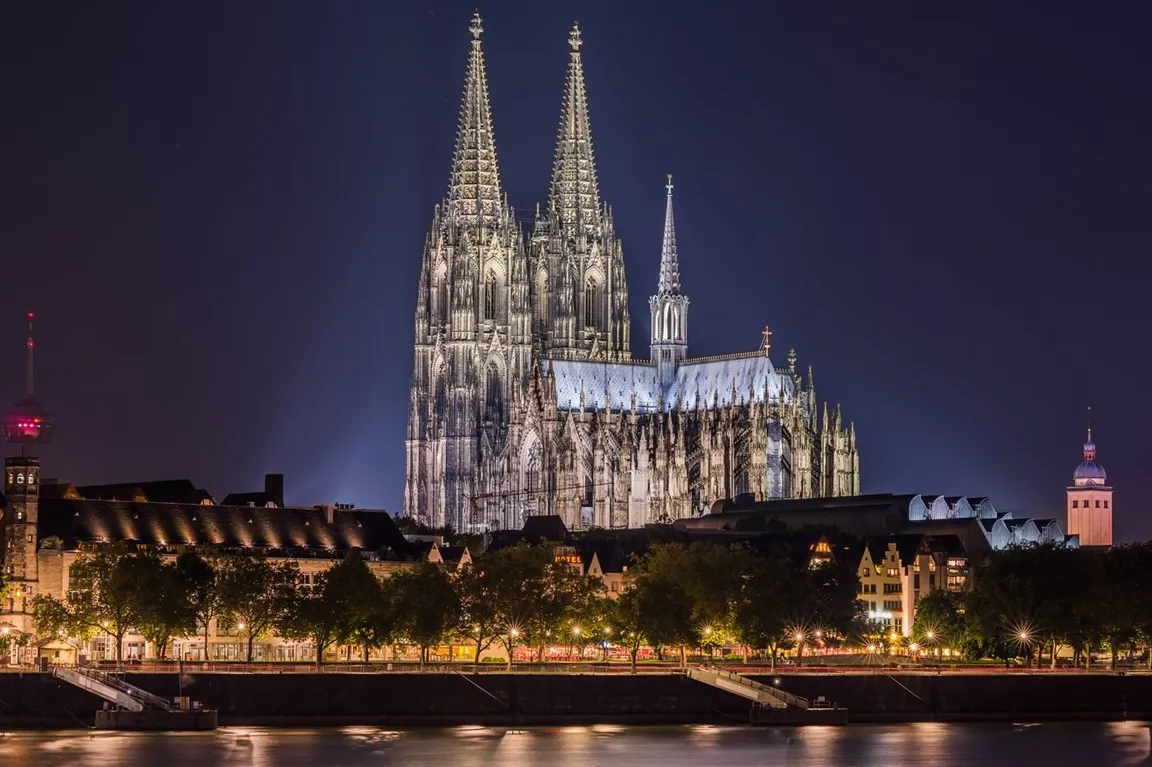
(28, 376)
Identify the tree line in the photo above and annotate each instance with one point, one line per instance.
(1038, 603)
(676, 597)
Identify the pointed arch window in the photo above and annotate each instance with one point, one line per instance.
(494, 400)
(542, 296)
(532, 475)
(591, 304)
(490, 296)
(440, 293)
(741, 482)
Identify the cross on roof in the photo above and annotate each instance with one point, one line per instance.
(669, 185)
(475, 28)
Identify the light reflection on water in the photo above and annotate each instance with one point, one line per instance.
(909, 745)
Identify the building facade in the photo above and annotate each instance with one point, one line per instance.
(45, 528)
(525, 398)
(1090, 500)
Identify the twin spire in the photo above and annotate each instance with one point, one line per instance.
(574, 195)
(474, 194)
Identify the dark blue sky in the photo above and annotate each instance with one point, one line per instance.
(217, 211)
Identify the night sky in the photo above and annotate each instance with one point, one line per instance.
(217, 209)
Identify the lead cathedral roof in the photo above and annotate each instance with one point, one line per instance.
(697, 383)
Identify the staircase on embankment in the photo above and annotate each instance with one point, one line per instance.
(770, 705)
(111, 688)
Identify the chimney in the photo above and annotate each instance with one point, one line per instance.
(274, 489)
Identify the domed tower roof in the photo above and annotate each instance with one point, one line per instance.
(1089, 473)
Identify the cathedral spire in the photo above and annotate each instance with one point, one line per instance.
(474, 195)
(574, 194)
(669, 260)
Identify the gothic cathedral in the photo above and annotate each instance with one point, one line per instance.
(525, 398)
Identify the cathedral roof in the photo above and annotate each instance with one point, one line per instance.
(698, 384)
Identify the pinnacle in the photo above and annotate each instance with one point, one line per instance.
(669, 258)
(574, 194)
(474, 195)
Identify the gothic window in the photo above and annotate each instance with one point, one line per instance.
(587, 499)
(490, 296)
(441, 398)
(494, 401)
(542, 296)
(591, 305)
(742, 482)
(440, 309)
(532, 475)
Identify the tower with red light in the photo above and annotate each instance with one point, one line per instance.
(1090, 498)
(26, 425)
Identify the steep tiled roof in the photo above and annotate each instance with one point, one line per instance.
(292, 532)
(548, 527)
(259, 498)
(163, 491)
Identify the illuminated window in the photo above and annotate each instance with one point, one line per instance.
(591, 315)
(823, 548)
(865, 573)
(490, 296)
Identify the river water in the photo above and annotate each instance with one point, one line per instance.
(934, 745)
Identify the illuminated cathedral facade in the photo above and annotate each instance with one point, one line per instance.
(525, 397)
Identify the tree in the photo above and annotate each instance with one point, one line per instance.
(478, 587)
(626, 616)
(426, 606)
(376, 621)
(164, 600)
(199, 576)
(663, 613)
(710, 575)
(311, 611)
(767, 606)
(104, 596)
(254, 593)
(366, 618)
(831, 604)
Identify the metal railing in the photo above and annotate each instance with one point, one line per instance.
(143, 697)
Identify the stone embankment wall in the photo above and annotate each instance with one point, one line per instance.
(405, 699)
